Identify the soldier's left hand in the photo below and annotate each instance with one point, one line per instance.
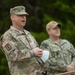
(70, 68)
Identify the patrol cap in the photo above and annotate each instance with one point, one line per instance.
(18, 10)
(52, 24)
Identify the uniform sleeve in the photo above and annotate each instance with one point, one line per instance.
(12, 51)
(73, 55)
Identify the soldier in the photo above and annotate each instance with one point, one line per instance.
(62, 52)
(20, 47)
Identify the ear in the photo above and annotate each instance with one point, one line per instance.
(49, 32)
(12, 17)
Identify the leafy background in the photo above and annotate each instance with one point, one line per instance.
(40, 13)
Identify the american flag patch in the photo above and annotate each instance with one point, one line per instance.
(4, 43)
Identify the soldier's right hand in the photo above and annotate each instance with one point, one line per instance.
(38, 51)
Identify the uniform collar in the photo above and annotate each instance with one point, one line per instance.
(16, 30)
(61, 41)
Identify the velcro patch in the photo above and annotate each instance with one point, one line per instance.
(8, 47)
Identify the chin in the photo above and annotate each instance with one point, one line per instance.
(23, 25)
(58, 35)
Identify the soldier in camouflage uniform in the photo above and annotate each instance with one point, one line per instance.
(62, 52)
(20, 47)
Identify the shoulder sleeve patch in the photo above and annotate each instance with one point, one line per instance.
(6, 45)
(45, 45)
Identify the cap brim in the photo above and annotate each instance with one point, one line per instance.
(59, 25)
(21, 13)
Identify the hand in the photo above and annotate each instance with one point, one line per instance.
(70, 68)
(38, 51)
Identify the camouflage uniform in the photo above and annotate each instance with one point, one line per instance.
(61, 55)
(18, 47)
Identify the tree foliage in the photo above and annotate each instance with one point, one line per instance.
(40, 13)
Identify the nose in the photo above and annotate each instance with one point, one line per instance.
(24, 16)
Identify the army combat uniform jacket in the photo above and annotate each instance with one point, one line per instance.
(18, 48)
(61, 55)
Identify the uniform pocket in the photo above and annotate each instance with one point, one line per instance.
(55, 51)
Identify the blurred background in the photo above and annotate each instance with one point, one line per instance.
(40, 13)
